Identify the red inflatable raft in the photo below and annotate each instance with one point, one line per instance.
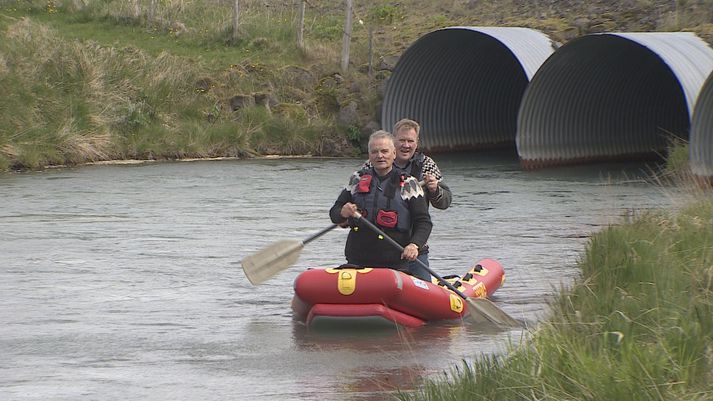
(386, 295)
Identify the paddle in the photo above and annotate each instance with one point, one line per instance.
(277, 257)
(482, 309)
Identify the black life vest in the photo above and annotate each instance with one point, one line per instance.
(381, 201)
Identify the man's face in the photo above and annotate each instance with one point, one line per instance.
(382, 154)
(406, 142)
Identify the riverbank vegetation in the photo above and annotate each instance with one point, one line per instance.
(92, 80)
(637, 324)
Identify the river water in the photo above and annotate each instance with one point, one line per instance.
(124, 281)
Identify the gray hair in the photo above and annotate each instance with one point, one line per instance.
(381, 134)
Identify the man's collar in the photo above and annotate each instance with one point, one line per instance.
(376, 173)
(405, 165)
(408, 162)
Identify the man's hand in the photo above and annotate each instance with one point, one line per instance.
(410, 252)
(348, 210)
(431, 183)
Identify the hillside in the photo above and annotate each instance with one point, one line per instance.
(92, 80)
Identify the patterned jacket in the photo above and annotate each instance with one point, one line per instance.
(418, 166)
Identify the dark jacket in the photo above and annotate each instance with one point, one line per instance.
(364, 247)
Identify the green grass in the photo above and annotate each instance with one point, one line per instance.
(95, 85)
(210, 47)
(638, 325)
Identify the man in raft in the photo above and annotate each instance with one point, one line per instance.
(392, 200)
(413, 162)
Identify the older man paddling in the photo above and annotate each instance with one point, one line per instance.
(424, 169)
(390, 199)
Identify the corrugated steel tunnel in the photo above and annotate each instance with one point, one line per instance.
(611, 97)
(464, 85)
(701, 144)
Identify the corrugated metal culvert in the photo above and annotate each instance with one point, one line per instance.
(464, 85)
(611, 96)
(701, 143)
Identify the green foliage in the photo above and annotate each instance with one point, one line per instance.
(286, 131)
(638, 325)
(440, 21)
(385, 14)
(677, 158)
(327, 28)
(353, 133)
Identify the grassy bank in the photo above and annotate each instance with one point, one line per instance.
(90, 80)
(637, 325)
(98, 84)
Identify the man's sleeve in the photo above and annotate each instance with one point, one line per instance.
(420, 221)
(335, 212)
(443, 196)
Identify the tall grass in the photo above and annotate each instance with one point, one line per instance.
(638, 325)
(73, 101)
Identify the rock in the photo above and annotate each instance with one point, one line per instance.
(377, 110)
(388, 62)
(354, 87)
(238, 102)
(365, 132)
(299, 77)
(348, 115)
(177, 28)
(381, 88)
(267, 100)
(336, 146)
(204, 85)
(370, 128)
(582, 24)
(329, 82)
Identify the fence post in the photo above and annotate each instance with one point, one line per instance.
(152, 12)
(236, 17)
(347, 36)
(301, 26)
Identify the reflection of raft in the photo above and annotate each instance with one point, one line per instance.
(373, 295)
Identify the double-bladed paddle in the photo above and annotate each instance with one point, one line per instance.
(261, 266)
(481, 309)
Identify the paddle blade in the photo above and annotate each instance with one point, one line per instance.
(484, 310)
(266, 263)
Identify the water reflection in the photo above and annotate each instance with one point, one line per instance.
(390, 359)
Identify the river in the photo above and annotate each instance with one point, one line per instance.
(124, 281)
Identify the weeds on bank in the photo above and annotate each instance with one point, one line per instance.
(638, 325)
(69, 102)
